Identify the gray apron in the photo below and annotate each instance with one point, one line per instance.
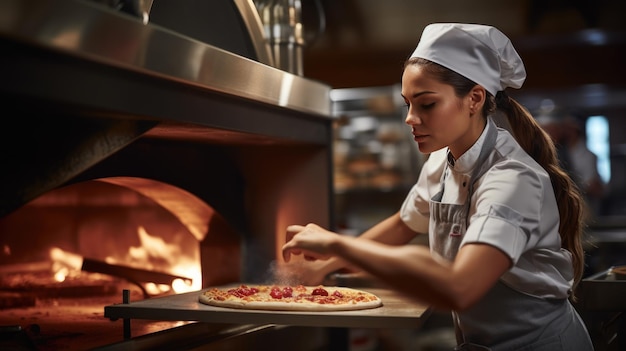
(505, 318)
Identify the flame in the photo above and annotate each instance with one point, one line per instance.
(61, 274)
(153, 253)
(155, 249)
(64, 263)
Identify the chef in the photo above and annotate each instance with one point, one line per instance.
(504, 220)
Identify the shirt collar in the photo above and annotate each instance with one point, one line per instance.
(467, 161)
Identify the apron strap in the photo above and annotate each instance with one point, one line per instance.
(488, 145)
(480, 169)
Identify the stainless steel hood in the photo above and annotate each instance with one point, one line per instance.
(95, 33)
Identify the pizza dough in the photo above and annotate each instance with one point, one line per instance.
(290, 298)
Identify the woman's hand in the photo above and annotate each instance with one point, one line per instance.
(311, 240)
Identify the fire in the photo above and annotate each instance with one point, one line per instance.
(154, 248)
(153, 254)
(61, 274)
(64, 263)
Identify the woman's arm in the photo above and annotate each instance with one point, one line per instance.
(409, 269)
(391, 230)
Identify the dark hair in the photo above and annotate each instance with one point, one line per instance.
(538, 144)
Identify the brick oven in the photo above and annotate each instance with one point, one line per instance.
(151, 156)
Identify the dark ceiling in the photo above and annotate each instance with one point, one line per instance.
(573, 50)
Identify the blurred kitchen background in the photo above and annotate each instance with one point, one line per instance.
(574, 53)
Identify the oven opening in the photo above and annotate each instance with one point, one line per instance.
(77, 248)
(95, 235)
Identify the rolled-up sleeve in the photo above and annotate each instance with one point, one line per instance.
(507, 203)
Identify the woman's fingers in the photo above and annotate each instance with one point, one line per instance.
(288, 248)
(307, 240)
(287, 252)
(292, 230)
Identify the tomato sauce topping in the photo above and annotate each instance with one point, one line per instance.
(243, 291)
(337, 293)
(278, 293)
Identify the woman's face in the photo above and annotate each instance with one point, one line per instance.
(438, 118)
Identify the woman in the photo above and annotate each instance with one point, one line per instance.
(503, 256)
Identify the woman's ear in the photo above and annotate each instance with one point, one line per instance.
(477, 98)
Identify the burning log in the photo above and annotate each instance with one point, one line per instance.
(131, 274)
(134, 275)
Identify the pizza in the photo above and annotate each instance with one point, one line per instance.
(290, 298)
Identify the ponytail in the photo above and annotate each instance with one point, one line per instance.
(538, 144)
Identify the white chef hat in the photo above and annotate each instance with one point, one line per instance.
(478, 52)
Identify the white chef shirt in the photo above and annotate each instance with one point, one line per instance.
(513, 208)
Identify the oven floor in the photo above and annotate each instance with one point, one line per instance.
(68, 324)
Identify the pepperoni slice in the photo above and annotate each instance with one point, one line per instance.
(319, 291)
(287, 291)
(276, 293)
